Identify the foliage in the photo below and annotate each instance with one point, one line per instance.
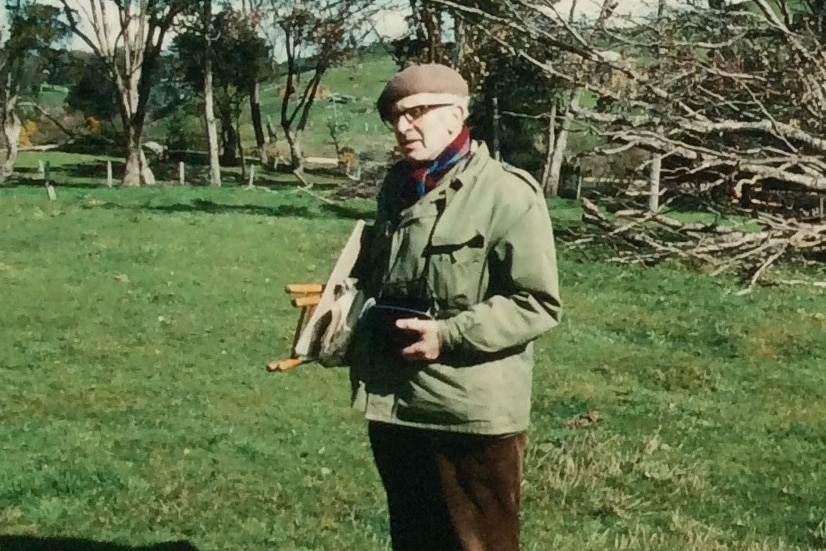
(94, 94)
(239, 60)
(240, 56)
(523, 99)
(27, 132)
(33, 30)
(65, 67)
(185, 131)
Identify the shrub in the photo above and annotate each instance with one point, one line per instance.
(347, 157)
(185, 132)
(28, 130)
(93, 125)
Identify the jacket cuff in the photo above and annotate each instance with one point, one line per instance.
(447, 335)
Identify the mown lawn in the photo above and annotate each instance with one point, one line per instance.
(670, 414)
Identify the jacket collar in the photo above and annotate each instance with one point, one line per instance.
(462, 177)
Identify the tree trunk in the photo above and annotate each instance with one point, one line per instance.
(430, 17)
(550, 143)
(241, 158)
(561, 145)
(656, 158)
(229, 140)
(273, 137)
(11, 123)
(11, 131)
(212, 134)
(654, 181)
(296, 155)
(257, 124)
(459, 42)
(255, 99)
(209, 103)
(137, 170)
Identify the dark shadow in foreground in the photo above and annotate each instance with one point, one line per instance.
(34, 543)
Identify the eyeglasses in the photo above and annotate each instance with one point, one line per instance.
(412, 114)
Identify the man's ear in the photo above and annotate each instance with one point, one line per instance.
(457, 118)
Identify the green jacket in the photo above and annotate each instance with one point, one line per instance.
(493, 277)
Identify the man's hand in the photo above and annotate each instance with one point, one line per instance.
(427, 347)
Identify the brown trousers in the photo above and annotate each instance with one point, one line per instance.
(448, 491)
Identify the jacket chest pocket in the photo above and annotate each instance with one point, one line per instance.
(457, 267)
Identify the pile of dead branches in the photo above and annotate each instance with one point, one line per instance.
(642, 237)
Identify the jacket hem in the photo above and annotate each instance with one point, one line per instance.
(478, 427)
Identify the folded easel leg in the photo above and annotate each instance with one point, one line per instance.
(306, 297)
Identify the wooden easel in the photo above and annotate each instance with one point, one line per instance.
(314, 298)
(306, 296)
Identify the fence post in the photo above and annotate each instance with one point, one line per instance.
(109, 181)
(47, 177)
(251, 182)
(181, 173)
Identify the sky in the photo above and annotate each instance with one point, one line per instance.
(391, 23)
(625, 10)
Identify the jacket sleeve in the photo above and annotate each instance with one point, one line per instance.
(525, 302)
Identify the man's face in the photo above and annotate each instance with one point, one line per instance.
(424, 131)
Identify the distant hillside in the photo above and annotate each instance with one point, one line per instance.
(359, 81)
(361, 78)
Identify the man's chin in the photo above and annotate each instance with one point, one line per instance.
(416, 154)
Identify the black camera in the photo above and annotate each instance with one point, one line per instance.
(386, 312)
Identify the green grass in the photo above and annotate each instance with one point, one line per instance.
(135, 325)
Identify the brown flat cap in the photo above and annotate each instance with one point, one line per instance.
(425, 84)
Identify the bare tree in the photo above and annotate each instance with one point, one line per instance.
(730, 99)
(736, 96)
(315, 36)
(128, 36)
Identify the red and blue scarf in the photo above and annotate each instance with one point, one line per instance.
(423, 177)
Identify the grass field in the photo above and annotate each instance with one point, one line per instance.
(669, 414)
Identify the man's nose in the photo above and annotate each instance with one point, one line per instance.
(402, 124)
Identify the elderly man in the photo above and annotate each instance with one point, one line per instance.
(462, 268)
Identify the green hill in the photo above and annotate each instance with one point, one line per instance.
(362, 78)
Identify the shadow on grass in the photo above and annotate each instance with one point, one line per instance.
(210, 207)
(33, 543)
(89, 170)
(30, 183)
(25, 178)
